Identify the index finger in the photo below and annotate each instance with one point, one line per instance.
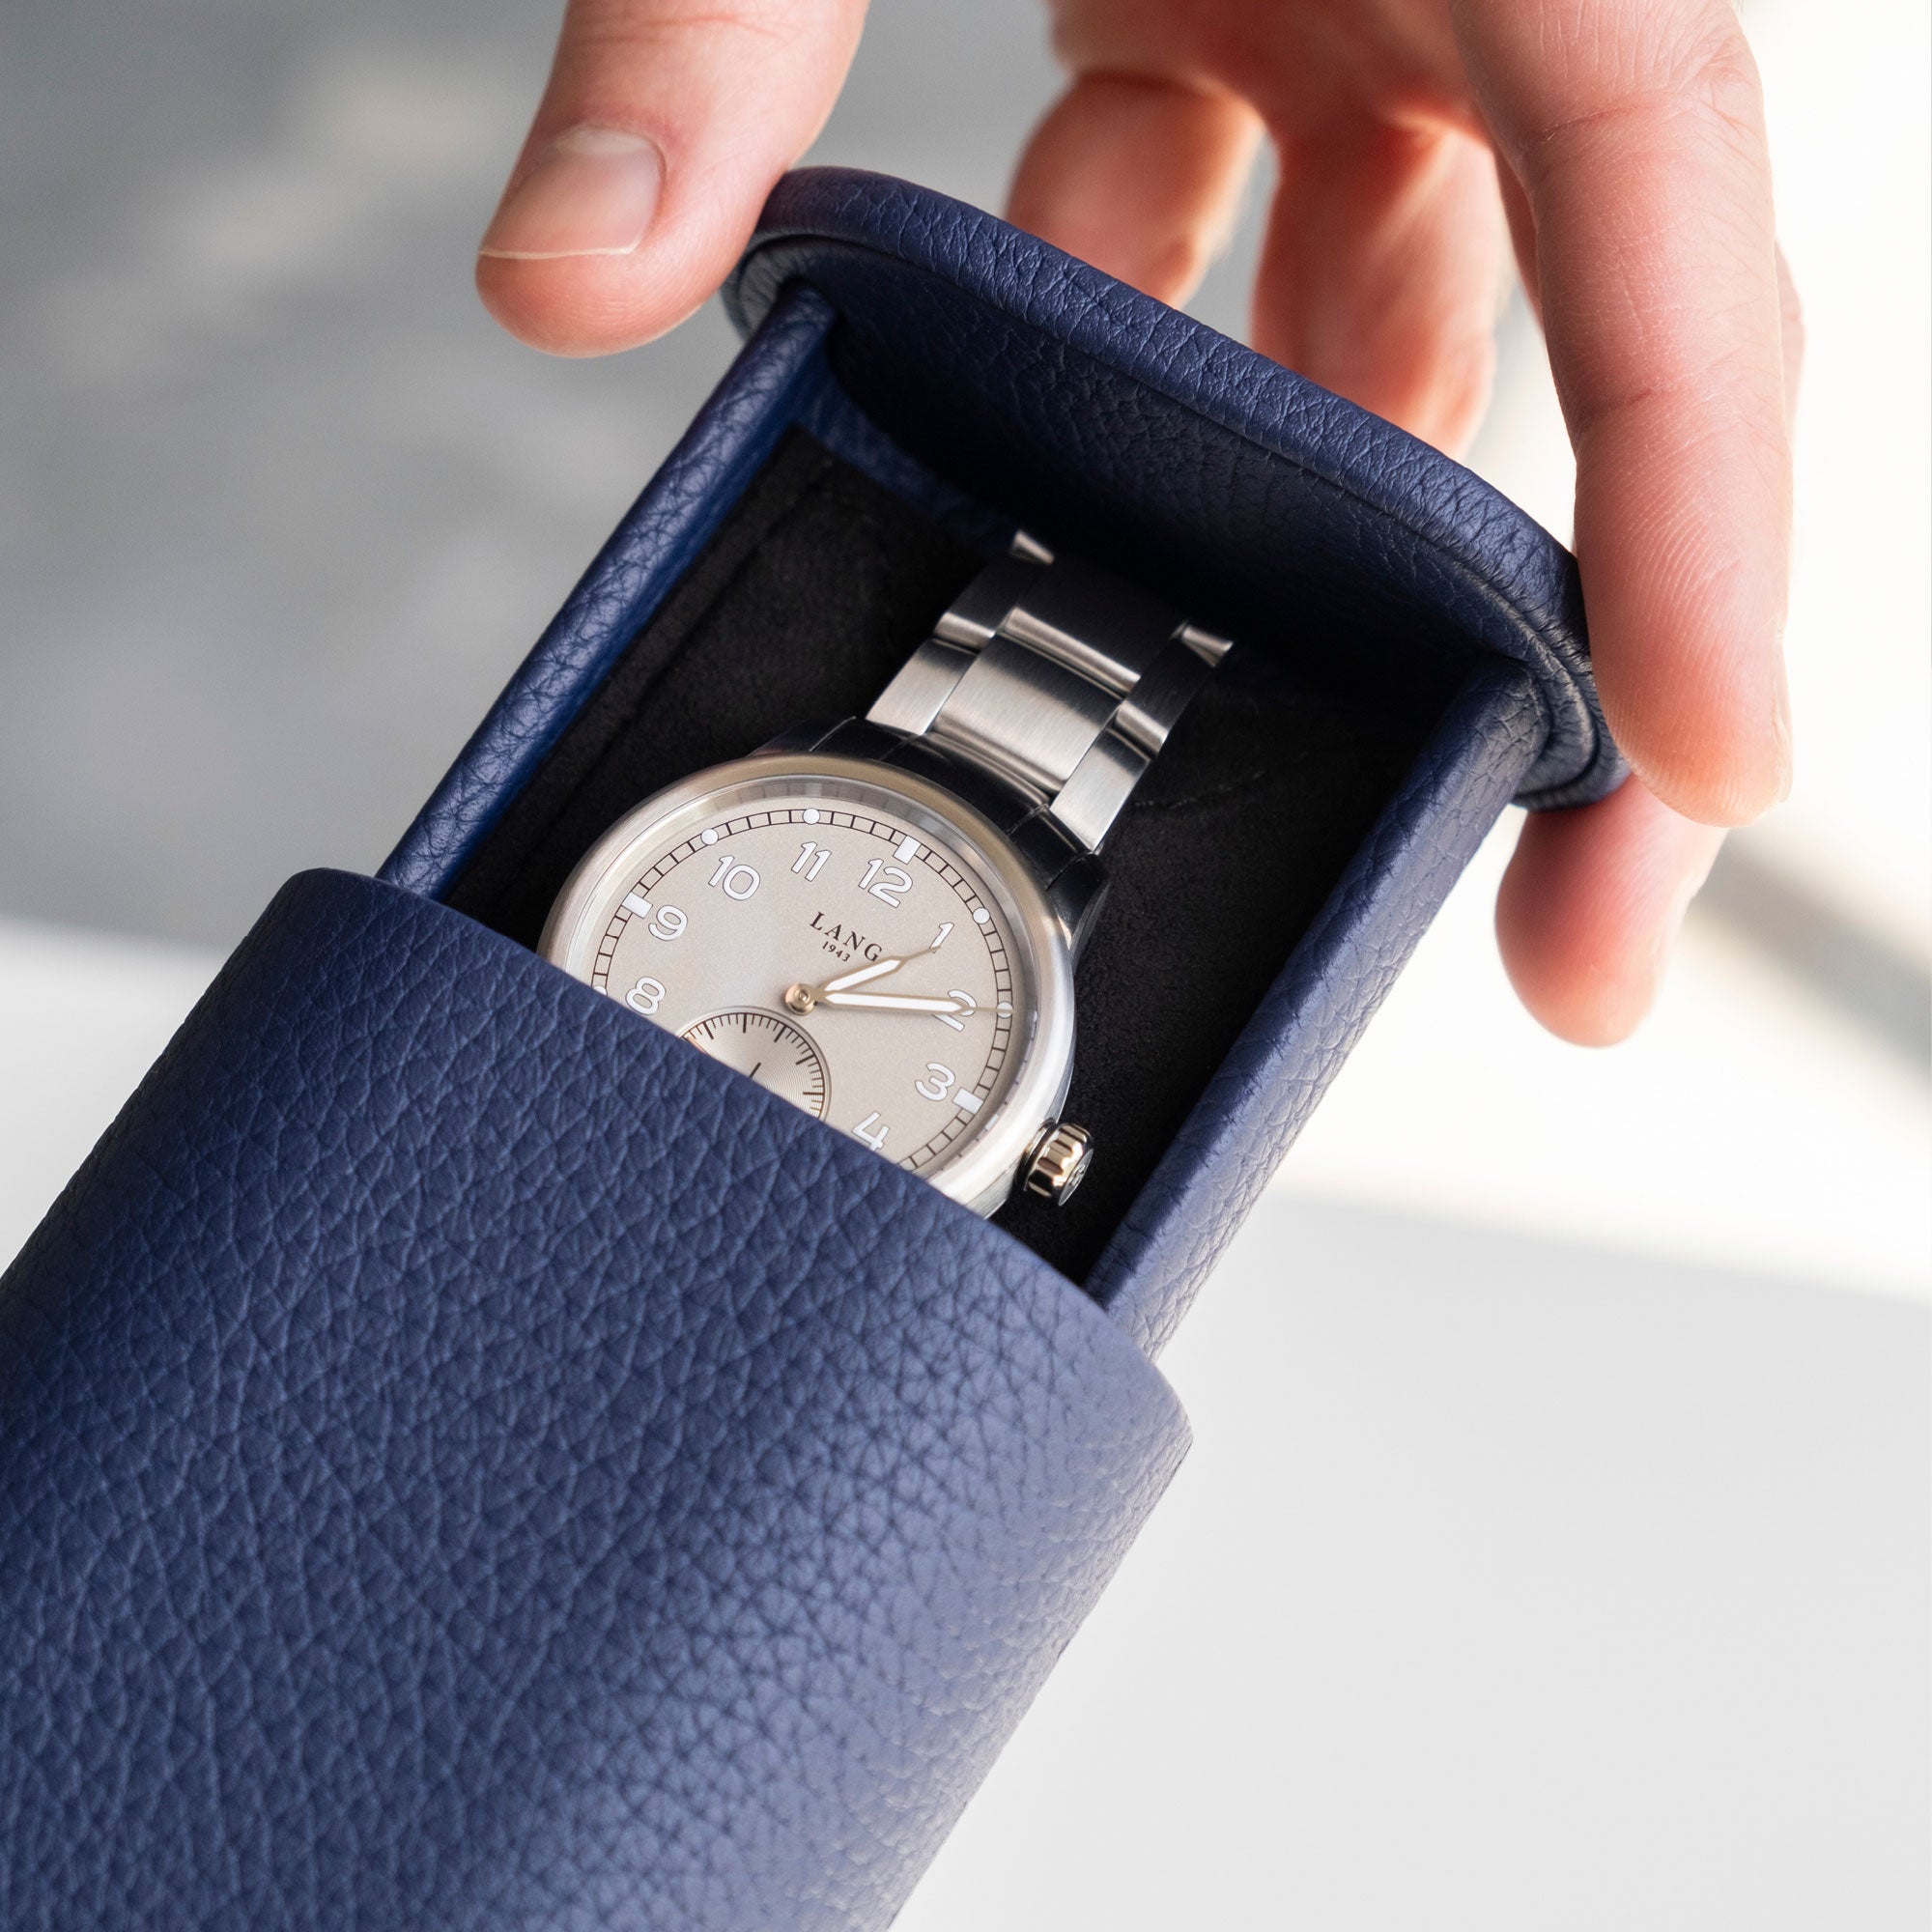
(1635, 131)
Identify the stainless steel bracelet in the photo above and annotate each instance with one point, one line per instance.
(1056, 677)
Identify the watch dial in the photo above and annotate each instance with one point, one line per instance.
(749, 922)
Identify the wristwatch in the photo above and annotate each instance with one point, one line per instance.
(879, 919)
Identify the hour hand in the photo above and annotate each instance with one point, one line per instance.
(858, 977)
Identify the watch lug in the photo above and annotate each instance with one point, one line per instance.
(797, 738)
(1075, 898)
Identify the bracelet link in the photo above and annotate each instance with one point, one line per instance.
(1058, 678)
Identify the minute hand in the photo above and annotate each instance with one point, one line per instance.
(802, 998)
(889, 1003)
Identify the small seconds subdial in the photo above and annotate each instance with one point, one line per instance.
(775, 1052)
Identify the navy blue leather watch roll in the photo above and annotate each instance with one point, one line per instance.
(469, 1459)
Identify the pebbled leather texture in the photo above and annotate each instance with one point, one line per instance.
(470, 1461)
(1239, 1131)
(1131, 432)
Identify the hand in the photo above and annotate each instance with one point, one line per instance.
(1619, 143)
(876, 1003)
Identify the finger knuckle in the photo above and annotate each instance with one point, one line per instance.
(1716, 76)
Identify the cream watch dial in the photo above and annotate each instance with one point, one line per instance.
(851, 948)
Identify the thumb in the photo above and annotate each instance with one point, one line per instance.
(663, 128)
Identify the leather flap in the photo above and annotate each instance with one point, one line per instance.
(467, 1459)
(1116, 425)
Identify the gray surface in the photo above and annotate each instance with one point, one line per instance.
(1509, 1587)
(279, 506)
(1872, 979)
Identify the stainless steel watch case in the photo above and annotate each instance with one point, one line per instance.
(981, 1175)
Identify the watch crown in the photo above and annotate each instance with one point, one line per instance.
(1056, 1162)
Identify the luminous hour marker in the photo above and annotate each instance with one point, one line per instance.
(982, 915)
(811, 815)
(968, 1103)
(635, 902)
(710, 836)
(1003, 1007)
(906, 850)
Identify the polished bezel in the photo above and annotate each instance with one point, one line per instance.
(980, 1173)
